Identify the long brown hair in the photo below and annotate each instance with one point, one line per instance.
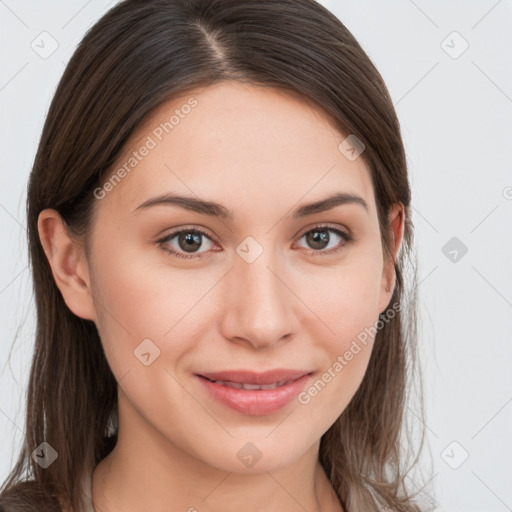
(138, 55)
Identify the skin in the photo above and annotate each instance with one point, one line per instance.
(261, 153)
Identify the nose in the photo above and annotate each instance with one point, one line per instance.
(260, 309)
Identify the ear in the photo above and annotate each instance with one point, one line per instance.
(396, 225)
(68, 263)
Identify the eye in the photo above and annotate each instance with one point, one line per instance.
(320, 238)
(187, 240)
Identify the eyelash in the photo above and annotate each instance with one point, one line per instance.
(321, 227)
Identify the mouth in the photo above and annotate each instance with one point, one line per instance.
(247, 385)
(276, 376)
(255, 394)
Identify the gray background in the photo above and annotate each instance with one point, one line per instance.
(455, 109)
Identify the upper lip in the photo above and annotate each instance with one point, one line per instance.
(250, 377)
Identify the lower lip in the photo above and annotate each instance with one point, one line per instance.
(255, 402)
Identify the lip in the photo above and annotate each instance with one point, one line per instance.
(250, 377)
(255, 402)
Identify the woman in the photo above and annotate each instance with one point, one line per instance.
(218, 218)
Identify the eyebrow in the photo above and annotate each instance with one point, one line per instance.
(214, 209)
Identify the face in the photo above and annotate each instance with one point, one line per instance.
(256, 283)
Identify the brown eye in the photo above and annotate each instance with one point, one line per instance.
(325, 237)
(318, 239)
(187, 243)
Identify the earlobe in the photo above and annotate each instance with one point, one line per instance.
(68, 263)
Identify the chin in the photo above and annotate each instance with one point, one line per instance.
(251, 457)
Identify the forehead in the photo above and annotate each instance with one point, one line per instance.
(239, 144)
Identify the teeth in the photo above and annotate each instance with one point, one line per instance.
(244, 385)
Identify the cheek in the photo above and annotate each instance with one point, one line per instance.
(344, 300)
(140, 304)
(137, 300)
(344, 313)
